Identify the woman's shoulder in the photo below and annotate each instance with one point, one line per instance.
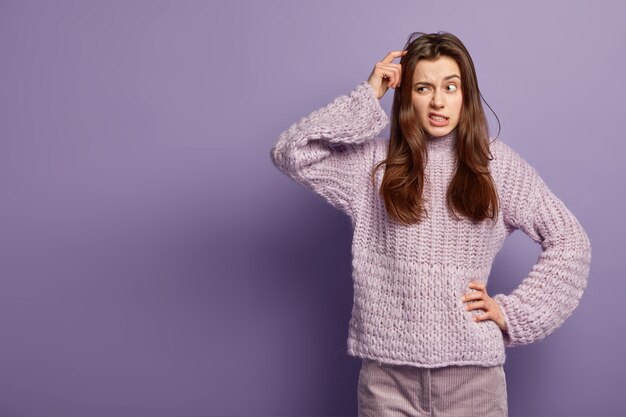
(507, 163)
(503, 153)
(500, 149)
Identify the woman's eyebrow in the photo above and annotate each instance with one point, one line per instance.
(445, 79)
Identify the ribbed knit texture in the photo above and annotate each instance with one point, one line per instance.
(409, 280)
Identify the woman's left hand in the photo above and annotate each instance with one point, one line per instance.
(481, 299)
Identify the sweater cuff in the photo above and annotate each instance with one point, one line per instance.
(509, 336)
(365, 93)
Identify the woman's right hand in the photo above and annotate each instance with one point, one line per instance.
(386, 74)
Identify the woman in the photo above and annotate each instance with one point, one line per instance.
(427, 228)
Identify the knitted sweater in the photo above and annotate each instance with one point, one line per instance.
(409, 280)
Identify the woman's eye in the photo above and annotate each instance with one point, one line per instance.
(421, 89)
(452, 87)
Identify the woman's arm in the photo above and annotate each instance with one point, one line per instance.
(554, 286)
(326, 151)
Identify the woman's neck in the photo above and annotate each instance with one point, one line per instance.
(442, 143)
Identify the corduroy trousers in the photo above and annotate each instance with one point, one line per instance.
(386, 390)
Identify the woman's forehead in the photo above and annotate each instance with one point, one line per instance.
(432, 70)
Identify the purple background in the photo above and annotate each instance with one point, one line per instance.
(154, 262)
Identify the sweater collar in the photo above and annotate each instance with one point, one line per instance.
(446, 142)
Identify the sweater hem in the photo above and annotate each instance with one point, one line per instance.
(389, 361)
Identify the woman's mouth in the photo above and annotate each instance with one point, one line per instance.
(438, 121)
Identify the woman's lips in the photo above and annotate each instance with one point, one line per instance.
(437, 120)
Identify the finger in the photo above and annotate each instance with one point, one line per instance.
(394, 69)
(384, 71)
(388, 68)
(477, 304)
(483, 316)
(474, 289)
(472, 296)
(398, 71)
(478, 285)
(393, 55)
(390, 78)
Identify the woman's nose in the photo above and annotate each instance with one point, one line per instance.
(437, 100)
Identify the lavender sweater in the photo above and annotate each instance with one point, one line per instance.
(409, 280)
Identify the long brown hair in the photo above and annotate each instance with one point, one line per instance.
(471, 191)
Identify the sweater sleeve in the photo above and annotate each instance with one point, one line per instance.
(325, 151)
(555, 284)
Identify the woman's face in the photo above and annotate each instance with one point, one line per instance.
(436, 95)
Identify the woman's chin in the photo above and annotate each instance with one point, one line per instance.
(438, 131)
